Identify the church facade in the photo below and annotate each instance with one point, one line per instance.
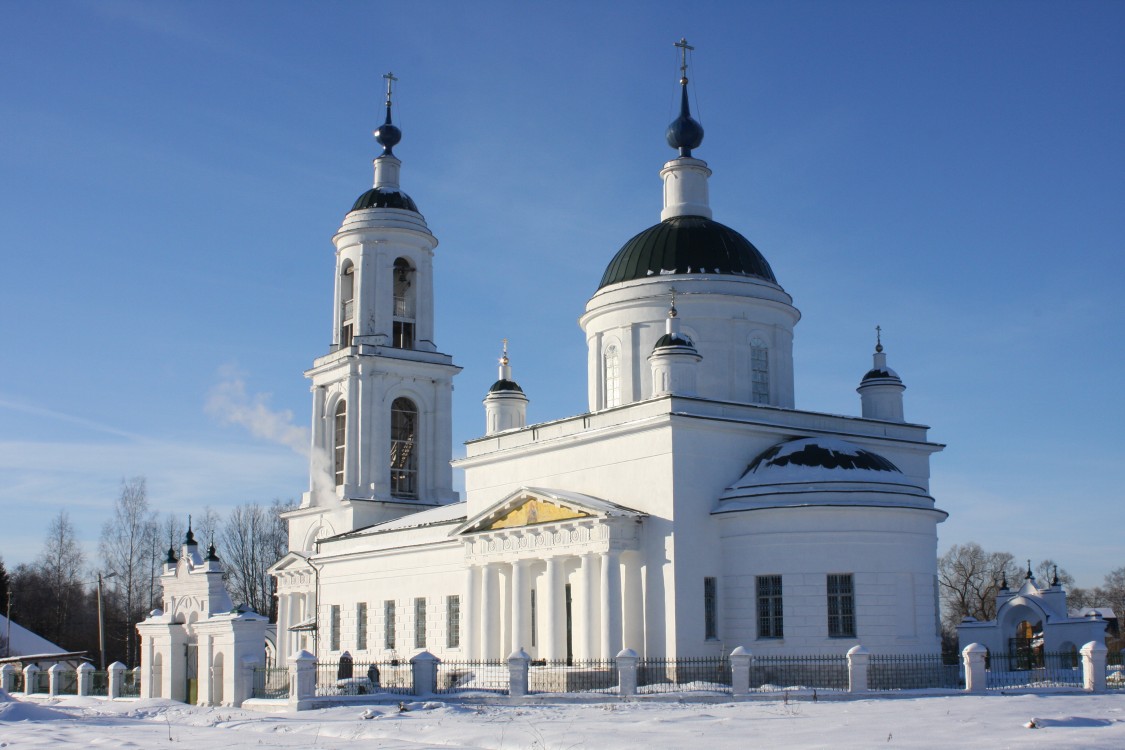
(690, 509)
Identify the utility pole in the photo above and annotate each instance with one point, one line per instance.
(8, 636)
(101, 621)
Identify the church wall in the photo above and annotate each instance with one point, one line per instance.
(890, 553)
(401, 567)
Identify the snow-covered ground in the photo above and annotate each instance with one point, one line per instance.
(939, 721)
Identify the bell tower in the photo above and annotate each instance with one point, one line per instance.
(382, 396)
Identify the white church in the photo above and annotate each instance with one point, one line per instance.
(690, 509)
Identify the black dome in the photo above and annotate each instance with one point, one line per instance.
(686, 244)
(384, 198)
(673, 339)
(505, 385)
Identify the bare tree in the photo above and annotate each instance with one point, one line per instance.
(1046, 570)
(969, 578)
(253, 539)
(60, 569)
(126, 552)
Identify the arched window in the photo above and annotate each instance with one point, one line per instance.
(403, 320)
(612, 377)
(404, 460)
(759, 372)
(340, 440)
(347, 304)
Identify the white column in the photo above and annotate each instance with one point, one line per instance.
(632, 615)
(282, 639)
(588, 637)
(554, 610)
(490, 613)
(471, 613)
(521, 606)
(611, 604)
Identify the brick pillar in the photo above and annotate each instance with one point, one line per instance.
(116, 679)
(302, 680)
(424, 666)
(85, 678)
(627, 672)
(518, 662)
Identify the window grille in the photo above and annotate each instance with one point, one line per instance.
(420, 622)
(453, 621)
(841, 606)
(334, 628)
(361, 626)
(770, 612)
(612, 377)
(389, 624)
(403, 318)
(759, 372)
(340, 440)
(710, 609)
(404, 459)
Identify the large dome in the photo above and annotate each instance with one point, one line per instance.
(686, 244)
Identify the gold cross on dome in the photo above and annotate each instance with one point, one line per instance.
(683, 47)
(390, 78)
(504, 359)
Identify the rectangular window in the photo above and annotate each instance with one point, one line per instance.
(420, 622)
(389, 625)
(361, 626)
(841, 606)
(452, 622)
(334, 628)
(710, 609)
(770, 621)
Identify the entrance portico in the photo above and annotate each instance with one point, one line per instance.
(556, 573)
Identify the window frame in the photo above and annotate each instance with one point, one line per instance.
(403, 463)
(340, 441)
(419, 622)
(710, 608)
(390, 624)
(840, 588)
(769, 595)
(453, 621)
(361, 626)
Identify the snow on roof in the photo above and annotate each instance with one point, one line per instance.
(442, 514)
(24, 642)
(588, 501)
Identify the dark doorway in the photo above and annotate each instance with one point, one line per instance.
(191, 673)
(569, 631)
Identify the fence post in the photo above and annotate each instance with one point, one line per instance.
(8, 677)
(1093, 666)
(116, 679)
(54, 679)
(740, 671)
(518, 662)
(858, 659)
(976, 680)
(85, 678)
(30, 678)
(302, 680)
(627, 672)
(424, 668)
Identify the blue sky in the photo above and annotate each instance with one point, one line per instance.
(173, 173)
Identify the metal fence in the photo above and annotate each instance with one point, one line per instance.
(364, 678)
(40, 683)
(471, 676)
(579, 676)
(99, 684)
(914, 672)
(131, 684)
(773, 674)
(66, 683)
(1115, 671)
(684, 675)
(1062, 669)
(17, 682)
(270, 682)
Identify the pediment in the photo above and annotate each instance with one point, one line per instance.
(530, 506)
(290, 562)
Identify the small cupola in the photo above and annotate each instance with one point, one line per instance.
(880, 390)
(505, 406)
(674, 359)
(386, 193)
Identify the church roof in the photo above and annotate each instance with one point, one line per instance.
(385, 198)
(505, 385)
(687, 245)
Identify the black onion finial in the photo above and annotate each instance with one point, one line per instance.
(387, 135)
(684, 133)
